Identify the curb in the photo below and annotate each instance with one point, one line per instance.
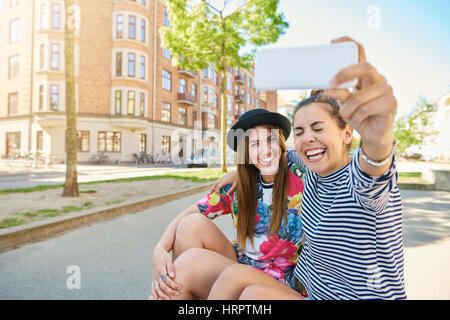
(13, 237)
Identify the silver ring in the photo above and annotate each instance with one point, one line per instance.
(163, 277)
(155, 283)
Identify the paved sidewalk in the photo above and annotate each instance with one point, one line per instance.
(115, 256)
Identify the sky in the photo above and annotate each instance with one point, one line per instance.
(407, 41)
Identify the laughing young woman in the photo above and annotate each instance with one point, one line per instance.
(265, 213)
(351, 208)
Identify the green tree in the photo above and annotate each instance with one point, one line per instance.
(200, 34)
(71, 182)
(412, 128)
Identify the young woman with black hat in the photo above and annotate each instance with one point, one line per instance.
(265, 213)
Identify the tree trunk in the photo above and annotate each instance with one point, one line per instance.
(223, 125)
(71, 183)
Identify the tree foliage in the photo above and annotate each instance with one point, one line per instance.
(200, 35)
(414, 128)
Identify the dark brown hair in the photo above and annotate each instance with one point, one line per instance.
(247, 176)
(317, 96)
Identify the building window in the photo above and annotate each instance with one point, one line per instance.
(205, 94)
(165, 112)
(142, 30)
(12, 103)
(119, 26)
(194, 91)
(182, 116)
(44, 17)
(132, 27)
(13, 66)
(211, 121)
(194, 117)
(118, 101)
(248, 98)
(142, 142)
(229, 83)
(131, 102)
(83, 141)
(142, 104)
(182, 88)
(56, 16)
(12, 143)
(41, 98)
(39, 141)
(109, 141)
(142, 68)
(131, 64)
(165, 144)
(166, 54)
(14, 31)
(166, 18)
(167, 83)
(229, 104)
(119, 64)
(55, 57)
(54, 97)
(211, 95)
(41, 57)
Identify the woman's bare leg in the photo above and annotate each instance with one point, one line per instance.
(236, 278)
(198, 231)
(263, 292)
(197, 269)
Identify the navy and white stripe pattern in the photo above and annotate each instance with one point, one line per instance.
(354, 238)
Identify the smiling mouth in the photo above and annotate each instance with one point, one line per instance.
(266, 161)
(315, 154)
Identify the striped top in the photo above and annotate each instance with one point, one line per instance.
(354, 239)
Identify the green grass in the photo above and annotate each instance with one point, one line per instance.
(410, 174)
(10, 222)
(207, 175)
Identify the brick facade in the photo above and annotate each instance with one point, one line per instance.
(110, 97)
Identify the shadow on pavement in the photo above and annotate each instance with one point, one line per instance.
(426, 217)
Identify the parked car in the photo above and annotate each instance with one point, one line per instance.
(427, 153)
(198, 161)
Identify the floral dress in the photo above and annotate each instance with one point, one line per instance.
(275, 254)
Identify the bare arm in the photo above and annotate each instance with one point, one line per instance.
(162, 261)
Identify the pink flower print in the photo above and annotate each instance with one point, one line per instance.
(296, 186)
(275, 247)
(277, 267)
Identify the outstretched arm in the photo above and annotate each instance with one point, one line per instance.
(370, 109)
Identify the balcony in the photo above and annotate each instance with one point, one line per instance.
(186, 98)
(239, 79)
(239, 98)
(191, 74)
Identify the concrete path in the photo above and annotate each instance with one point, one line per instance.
(16, 177)
(114, 257)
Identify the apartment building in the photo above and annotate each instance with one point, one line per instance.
(129, 97)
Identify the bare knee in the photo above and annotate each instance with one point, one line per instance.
(190, 225)
(253, 292)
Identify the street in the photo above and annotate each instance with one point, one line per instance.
(113, 258)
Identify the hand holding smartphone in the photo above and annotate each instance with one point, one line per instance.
(310, 67)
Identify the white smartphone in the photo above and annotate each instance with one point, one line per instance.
(309, 67)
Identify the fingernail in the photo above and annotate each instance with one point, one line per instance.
(171, 274)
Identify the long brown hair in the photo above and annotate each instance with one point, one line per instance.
(247, 176)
